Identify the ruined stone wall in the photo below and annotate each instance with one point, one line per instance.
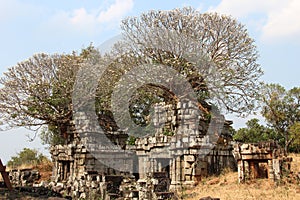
(190, 153)
(179, 152)
(261, 160)
(79, 174)
(24, 177)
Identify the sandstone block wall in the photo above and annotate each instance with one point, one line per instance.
(178, 153)
(261, 160)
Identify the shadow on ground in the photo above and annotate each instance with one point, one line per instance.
(32, 193)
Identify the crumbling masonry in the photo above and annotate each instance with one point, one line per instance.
(261, 160)
(176, 156)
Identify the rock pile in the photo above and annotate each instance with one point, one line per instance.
(24, 177)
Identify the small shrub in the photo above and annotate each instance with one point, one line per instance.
(27, 157)
(131, 140)
(168, 133)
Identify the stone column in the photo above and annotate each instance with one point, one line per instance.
(246, 169)
(241, 171)
(178, 169)
(173, 171)
(72, 170)
(276, 169)
(270, 170)
(60, 171)
(144, 164)
(151, 165)
(55, 169)
(159, 167)
(154, 165)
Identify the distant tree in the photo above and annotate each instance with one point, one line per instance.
(294, 131)
(27, 157)
(281, 109)
(254, 132)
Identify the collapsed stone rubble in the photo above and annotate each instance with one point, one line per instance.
(24, 177)
(177, 155)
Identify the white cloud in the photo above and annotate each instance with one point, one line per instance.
(81, 16)
(284, 24)
(239, 9)
(276, 20)
(116, 11)
(92, 21)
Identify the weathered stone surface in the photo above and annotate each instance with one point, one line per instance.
(178, 153)
(24, 177)
(260, 160)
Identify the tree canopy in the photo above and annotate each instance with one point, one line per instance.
(38, 91)
(27, 157)
(213, 52)
(208, 49)
(255, 132)
(281, 109)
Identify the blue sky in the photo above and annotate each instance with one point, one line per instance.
(31, 26)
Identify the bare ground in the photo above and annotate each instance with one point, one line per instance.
(226, 187)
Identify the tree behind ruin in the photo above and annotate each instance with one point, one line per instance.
(38, 91)
(281, 109)
(213, 52)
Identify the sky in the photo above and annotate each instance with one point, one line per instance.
(28, 27)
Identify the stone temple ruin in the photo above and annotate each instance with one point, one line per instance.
(155, 166)
(261, 160)
(110, 165)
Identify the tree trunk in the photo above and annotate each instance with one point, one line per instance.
(286, 144)
(64, 132)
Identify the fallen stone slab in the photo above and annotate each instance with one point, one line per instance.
(209, 198)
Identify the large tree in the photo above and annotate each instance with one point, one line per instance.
(38, 91)
(214, 52)
(281, 109)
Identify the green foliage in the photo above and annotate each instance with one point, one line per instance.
(131, 140)
(51, 136)
(27, 157)
(254, 132)
(294, 131)
(168, 132)
(281, 109)
(38, 91)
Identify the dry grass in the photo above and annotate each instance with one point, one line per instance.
(226, 187)
(296, 162)
(45, 169)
